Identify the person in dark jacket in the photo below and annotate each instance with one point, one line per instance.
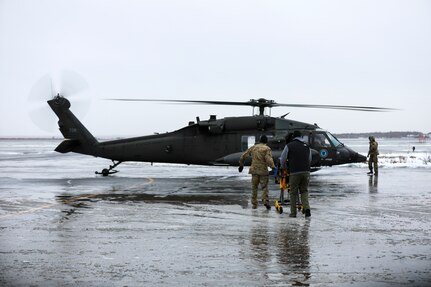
(296, 158)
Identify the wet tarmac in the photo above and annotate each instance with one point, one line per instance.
(168, 225)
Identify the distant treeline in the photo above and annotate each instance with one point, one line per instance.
(381, 135)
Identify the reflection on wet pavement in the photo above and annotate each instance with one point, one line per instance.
(201, 231)
(373, 182)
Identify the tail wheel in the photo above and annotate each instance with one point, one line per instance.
(105, 172)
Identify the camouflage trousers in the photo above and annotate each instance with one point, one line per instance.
(299, 182)
(255, 181)
(373, 161)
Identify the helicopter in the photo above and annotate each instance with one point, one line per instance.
(217, 142)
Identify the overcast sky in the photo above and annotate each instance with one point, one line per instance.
(368, 53)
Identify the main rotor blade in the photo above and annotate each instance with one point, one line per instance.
(224, 103)
(336, 107)
(263, 103)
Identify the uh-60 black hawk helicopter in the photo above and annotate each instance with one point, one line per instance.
(207, 142)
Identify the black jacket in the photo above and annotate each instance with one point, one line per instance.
(298, 156)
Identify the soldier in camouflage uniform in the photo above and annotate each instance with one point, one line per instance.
(373, 152)
(261, 159)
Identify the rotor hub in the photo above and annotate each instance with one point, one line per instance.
(261, 103)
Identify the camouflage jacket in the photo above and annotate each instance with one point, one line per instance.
(261, 159)
(373, 150)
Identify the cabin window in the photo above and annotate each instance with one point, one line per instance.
(247, 142)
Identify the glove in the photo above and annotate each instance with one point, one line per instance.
(240, 168)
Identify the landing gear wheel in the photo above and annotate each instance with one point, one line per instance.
(105, 172)
(110, 170)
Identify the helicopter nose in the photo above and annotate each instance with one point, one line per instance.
(359, 157)
(355, 157)
(347, 155)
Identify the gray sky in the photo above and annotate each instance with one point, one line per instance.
(370, 53)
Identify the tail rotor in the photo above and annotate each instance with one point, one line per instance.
(66, 83)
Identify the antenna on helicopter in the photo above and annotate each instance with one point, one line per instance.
(283, 116)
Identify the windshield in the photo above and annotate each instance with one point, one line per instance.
(334, 140)
(325, 139)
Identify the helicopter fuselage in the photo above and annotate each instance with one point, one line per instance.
(208, 142)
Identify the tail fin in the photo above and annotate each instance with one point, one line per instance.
(77, 137)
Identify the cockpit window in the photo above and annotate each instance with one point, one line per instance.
(334, 140)
(321, 140)
(325, 139)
